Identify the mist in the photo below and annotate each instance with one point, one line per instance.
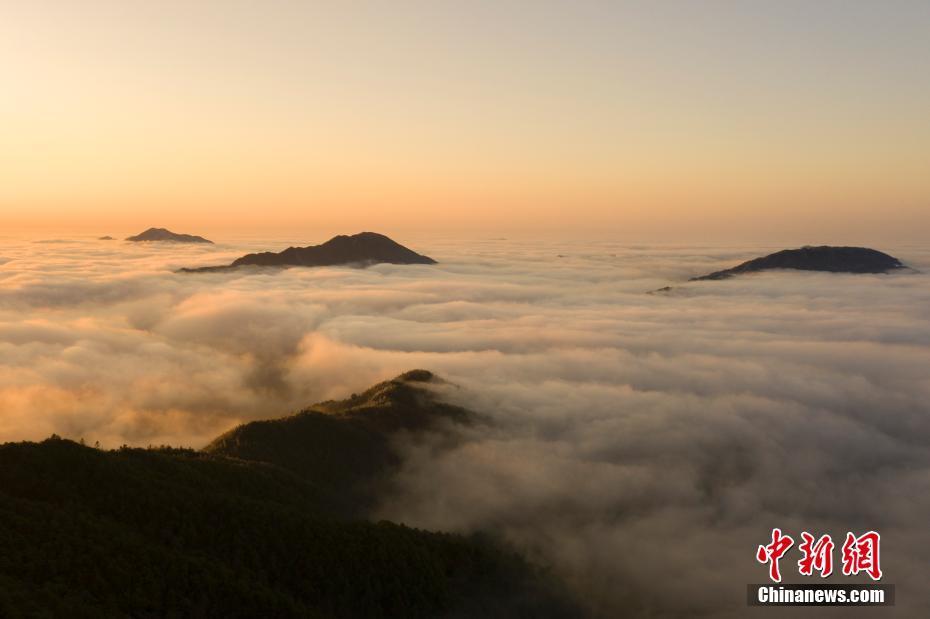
(641, 445)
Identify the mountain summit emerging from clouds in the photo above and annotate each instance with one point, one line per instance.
(823, 258)
(364, 249)
(345, 447)
(163, 234)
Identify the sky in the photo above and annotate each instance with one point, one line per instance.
(655, 121)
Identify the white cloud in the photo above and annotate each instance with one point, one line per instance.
(642, 444)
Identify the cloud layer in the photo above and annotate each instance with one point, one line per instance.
(642, 445)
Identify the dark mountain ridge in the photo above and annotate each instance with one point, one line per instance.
(345, 447)
(255, 525)
(165, 235)
(362, 249)
(822, 258)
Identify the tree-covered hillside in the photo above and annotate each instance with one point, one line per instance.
(178, 533)
(346, 448)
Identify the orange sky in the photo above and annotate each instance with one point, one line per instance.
(643, 120)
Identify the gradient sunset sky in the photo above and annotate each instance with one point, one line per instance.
(747, 121)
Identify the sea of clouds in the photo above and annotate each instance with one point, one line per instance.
(642, 445)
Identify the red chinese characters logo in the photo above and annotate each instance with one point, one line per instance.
(817, 555)
(859, 554)
(772, 553)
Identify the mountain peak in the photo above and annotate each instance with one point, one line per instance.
(361, 236)
(362, 249)
(163, 234)
(407, 391)
(815, 258)
(346, 447)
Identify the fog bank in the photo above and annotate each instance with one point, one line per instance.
(641, 444)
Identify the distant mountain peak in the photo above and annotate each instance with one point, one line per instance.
(163, 234)
(360, 236)
(363, 249)
(815, 258)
